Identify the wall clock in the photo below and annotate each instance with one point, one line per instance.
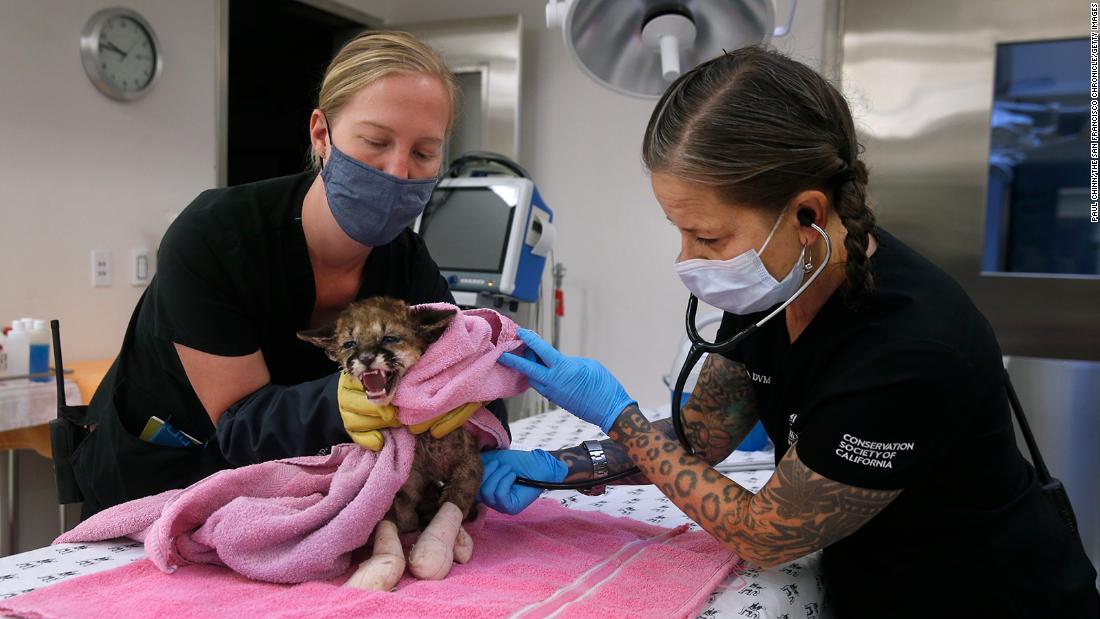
(120, 53)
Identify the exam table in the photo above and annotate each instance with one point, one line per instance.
(793, 590)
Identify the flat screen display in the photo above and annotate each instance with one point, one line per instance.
(466, 228)
(1038, 217)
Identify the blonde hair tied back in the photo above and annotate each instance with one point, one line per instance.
(371, 56)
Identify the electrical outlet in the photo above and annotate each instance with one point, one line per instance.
(141, 270)
(101, 268)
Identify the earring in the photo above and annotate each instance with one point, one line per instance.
(808, 266)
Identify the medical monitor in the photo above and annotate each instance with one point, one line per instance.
(1040, 214)
(482, 233)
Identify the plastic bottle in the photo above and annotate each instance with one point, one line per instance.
(39, 357)
(5, 351)
(18, 348)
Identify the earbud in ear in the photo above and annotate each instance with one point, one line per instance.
(806, 217)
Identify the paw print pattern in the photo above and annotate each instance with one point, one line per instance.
(750, 572)
(12, 594)
(793, 569)
(792, 592)
(752, 589)
(752, 611)
(58, 576)
(93, 561)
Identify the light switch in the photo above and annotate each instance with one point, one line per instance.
(140, 269)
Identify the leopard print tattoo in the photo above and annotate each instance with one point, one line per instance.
(796, 513)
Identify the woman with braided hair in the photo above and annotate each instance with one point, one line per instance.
(881, 385)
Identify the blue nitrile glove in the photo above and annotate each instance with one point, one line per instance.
(583, 387)
(499, 489)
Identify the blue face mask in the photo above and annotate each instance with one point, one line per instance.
(370, 206)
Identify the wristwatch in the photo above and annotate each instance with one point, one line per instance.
(599, 467)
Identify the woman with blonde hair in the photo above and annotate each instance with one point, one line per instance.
(211, 349)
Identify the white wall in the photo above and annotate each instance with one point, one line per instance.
(582, 143)
(79, 171)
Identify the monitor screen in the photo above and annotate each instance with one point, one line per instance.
(1038, 210)
(466, 228)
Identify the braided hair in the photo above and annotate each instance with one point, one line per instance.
(760, 128)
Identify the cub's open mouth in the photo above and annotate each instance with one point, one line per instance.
(377, 383)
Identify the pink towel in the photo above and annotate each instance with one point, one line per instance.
(286, 521)
(546, 560)
(299, 520)
(460, 367)
(283, 521)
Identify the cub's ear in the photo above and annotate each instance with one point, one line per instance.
(431, 323)
(323, 337)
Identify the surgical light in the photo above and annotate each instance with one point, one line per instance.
(638, 47)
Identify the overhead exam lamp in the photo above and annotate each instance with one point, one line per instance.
(638, 47)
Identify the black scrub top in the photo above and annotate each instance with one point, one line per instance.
(908, 393)
(233, 277)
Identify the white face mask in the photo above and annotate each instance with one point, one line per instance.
(742, 284)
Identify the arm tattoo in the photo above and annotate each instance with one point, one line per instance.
(721, 410)
(717, 416)
(796, 513)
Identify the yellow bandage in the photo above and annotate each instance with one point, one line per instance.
(362, 418)
(447, 422)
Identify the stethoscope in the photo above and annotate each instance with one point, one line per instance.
(699, 346)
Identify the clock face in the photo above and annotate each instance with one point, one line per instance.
(127, 54)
